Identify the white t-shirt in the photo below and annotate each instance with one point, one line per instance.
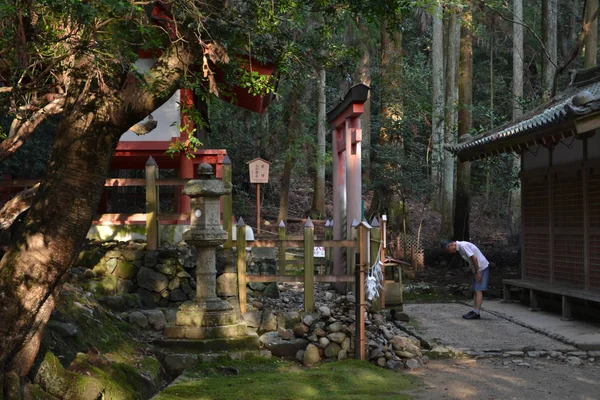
(467, 249)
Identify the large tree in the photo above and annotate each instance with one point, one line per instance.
(465, 101)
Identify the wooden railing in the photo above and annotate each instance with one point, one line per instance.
(152, 217)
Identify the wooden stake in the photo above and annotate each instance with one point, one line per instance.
(309, 266)
(281, 253)
(258, 208)
(241, 263)
(151, 204)
(363, 243)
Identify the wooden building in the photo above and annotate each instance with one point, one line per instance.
(559, 147)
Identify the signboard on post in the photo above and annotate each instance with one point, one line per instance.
(259, 173)
(259, 170)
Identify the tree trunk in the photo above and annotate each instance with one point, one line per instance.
(451, 98)
(549, 32)
(437, 115)
(288, 165)
(591, 39)
(514, 212)
(318, 201)
(465, 101)
(390, 108)
(94, 117)
(365, 77)
(33, 269)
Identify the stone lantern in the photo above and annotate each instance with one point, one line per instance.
(207, 316)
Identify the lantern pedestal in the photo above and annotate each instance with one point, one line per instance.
(207, 317)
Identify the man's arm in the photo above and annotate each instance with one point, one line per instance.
(476, 264)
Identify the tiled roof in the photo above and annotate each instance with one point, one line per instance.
(581, 98)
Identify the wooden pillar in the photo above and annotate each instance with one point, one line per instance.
(281, 252)
(227, 203)
(353, 180)
(339, 201)
(551, 215)
(151, 204)
(309, 266)
(362, 246)
(241, 263)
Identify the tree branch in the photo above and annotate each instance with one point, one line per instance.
(163, 79)
(528, 28)
(575, 52)
(10, 145)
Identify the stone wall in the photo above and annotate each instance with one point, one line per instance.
(161, 278)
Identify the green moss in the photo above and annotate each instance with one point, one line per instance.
(275, 379)
(152, 367)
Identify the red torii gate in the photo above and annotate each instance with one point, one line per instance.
(344, 120)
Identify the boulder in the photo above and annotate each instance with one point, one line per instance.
(174, 283)
(138, 319)
(337, 337)
(332, 350)
(177, 363)
(311, 355)
(151, 259)
(325, 311)
(324, 342)
(151, 280)
(335, 327)
(285, 334)
(125, 269)
(178, 295)
(288, 319)
(300, 330)
(252, 319)
(282, 348)
(63, 329)
(156, 319)
(257, 286)
(272, 291)
(124, 286)
(269, 322)
(115, 303)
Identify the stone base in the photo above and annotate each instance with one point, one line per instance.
(205, 332)
(208, 313)
(247, 342)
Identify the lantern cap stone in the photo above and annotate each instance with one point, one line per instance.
(206, 185)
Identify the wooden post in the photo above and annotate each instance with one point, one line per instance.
(151, 204)
(352, 253)
(281, 252)
(375, 243)
(567, 314)
(258, 208)
(382, 258)
(241, 263)
(362, 246)
(227, 203)
(309, 266)
(328, 250)
(534, 304)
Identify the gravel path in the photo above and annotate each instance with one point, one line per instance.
(443, 323)
(507, 379)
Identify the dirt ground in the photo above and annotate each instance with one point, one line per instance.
(508, 378)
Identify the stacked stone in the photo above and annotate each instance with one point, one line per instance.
(161, 278)
(329, 333)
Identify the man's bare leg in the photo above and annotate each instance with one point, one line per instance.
(477, 300)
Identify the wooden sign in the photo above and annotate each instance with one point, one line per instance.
(259, 170)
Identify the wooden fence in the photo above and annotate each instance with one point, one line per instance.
(366, 247)
(152, 217)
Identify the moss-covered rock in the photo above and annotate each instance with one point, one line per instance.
(125, 269)
(35, 392)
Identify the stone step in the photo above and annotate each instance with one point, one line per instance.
(248, 342)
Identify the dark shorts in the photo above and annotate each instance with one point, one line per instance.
(483, 285)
